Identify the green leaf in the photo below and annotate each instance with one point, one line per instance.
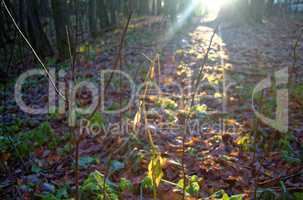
(62, 192)
(194, 178)
(236, 197)
(225, 197)
(285, 194)
(49, 197)
(147, 183)
(193, 188)
(192, 151)
(166, 103)
(97, 119)
(35, 169)
(94, 187)
(219, 194)
(125, 184)
(180, 183)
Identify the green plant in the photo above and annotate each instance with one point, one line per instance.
(25, 143)
(171, 116)
(97, 119)
(54, 115)
(166, 103)
(198, 110)
(12, 128)
(147, 183)
(193, 187)
(155, 170)
(183, 69)
(94, 188)
(266, 194)
(136, 156)
(298, 92)
(5, 144)
(66, 149)
(245, 142)
(43, 135)
(192, 151)
(125, 184)
(59, 194)
(222, 195)
(288, 154)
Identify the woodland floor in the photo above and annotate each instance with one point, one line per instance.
(240, 55)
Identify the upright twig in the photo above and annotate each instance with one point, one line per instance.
(159, 70)
(183, 160)
(196, 84)
(116, 63)
(142, 108)
(198, 80)
(106, 176)
(76, 36)
(77, 175)
(295, 57)
(72, 129)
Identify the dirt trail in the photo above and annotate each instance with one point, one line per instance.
(239, 58)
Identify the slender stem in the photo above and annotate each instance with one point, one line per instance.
(116, 63)
(295, 59)
(77, 166)
(197, 83)
(183, 160)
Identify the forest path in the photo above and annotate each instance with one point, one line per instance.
(216, 143)
(221, 120)
(239, 59)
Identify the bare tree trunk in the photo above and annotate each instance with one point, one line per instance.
(125, 4)
(269, 7)
(257, 10)
(36, 34)
(171, 9)
(143, 7)
(159, 7)
(61, 18)
(112, 9)
(92, 14)
(22, 15)
(102, 13)
(154, 7)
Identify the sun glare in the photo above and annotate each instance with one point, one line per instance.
(214, 5)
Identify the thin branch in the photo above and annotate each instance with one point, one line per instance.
(192, 103)
(72, 129)
(116, 63)
(183, 161)
(202, 67)
(295, 60)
